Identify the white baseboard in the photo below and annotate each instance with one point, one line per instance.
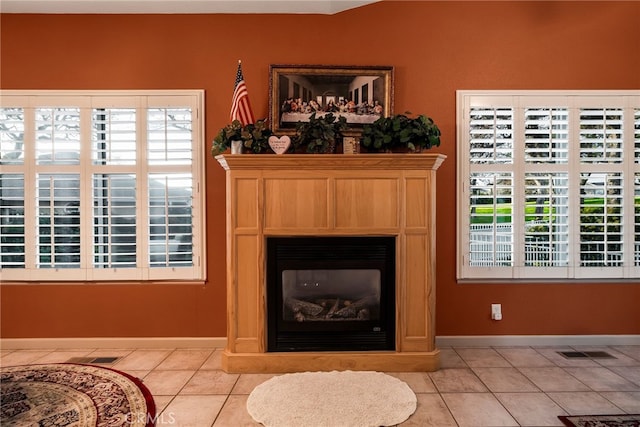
(65, 343)
(221, 342)
(535, 340)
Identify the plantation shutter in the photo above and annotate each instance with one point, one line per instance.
(544, 187)
(57, 189)
(169, 178)
(114, 147)
(636, 167)
(550, 186)
(491, 236)
(101, 186)
(12, 214)
(12, 220)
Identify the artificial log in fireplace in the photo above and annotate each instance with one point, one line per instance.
(330, 196)
(330, 293)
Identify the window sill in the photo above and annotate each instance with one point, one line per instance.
(107, 283)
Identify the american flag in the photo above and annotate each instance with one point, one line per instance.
(240, 107)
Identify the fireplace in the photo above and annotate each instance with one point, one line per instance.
(330, 202)
(330, 293)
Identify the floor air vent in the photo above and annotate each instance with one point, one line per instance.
(586, 354)
(101, 360)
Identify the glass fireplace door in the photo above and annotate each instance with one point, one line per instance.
(330, 293)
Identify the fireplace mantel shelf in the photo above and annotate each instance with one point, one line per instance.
(331, 161)
(332, 195)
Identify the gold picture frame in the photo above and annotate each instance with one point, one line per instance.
(359, 93)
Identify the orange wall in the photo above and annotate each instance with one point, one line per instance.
(435, 47)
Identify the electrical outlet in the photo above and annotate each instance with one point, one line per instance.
(496, 311)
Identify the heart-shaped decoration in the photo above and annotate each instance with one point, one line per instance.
(279, 145)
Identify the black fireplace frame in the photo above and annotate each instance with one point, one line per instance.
(338, 252)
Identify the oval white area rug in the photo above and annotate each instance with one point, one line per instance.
(331, 399)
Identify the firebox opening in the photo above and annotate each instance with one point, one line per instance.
(331, 293)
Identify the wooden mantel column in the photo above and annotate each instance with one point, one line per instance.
(330, 195)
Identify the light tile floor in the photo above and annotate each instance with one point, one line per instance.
(497, 386)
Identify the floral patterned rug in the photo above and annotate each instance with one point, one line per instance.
(73, 395)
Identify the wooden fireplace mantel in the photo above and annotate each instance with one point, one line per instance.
(339, 195)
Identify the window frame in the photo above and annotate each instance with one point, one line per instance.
(520, 101)
(88, 100)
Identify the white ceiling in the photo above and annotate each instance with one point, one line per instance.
(327, 7)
